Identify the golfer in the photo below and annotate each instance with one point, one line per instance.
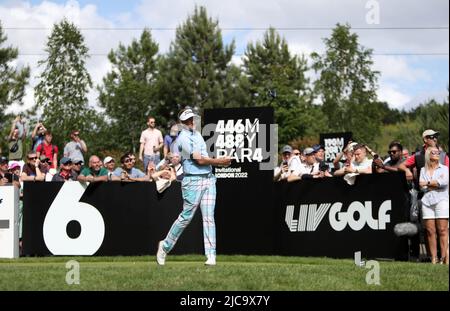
(198, 188)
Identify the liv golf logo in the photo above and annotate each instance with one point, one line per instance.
(310, 216)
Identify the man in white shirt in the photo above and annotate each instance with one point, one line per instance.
(151, 142)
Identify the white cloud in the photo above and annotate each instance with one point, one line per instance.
(397, 67)
(390, 94)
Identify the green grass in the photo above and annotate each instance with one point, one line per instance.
(231, 273)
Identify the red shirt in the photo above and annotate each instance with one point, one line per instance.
(47, 151)
(411, 160)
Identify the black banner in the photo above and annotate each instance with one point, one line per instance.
(334, 143)
(290, 219)
(328, 217)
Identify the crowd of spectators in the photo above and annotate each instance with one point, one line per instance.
(426, 169)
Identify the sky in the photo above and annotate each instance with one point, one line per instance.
(409, 38)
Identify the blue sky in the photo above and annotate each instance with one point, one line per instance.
(405, 81)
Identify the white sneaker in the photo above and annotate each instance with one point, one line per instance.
(211, 260)
(161, 254)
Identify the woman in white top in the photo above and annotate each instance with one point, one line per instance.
(434, 182)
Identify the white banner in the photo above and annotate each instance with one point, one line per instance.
(9, 222)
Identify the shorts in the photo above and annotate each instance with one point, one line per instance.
(435, 211)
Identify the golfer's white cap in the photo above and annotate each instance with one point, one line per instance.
(186, 114)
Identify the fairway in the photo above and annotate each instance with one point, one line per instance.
(187, 272)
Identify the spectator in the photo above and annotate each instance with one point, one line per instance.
(405, 153)
(75, 148)
(95, 172)
(151, 169)
(65, 171)
(37, 136)
(3, 171)
(360, 165)
(320, 158)
(395, 157)
(15, 140)
(128, 172)
(345, 157)
(44, 163)
(417, 160)
(109, 164)
(14, 170)
(176, 164)
(170, 138)
(77, 167)
(32, 169)
(151, 142)
(48, 149)
(310, 168)
(412, 167)
(290, 164)
(434, 182)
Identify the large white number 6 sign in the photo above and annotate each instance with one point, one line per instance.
(66, 208)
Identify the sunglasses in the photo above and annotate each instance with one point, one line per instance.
(296, 153)
(431, 137)
(32, 158)
(393, 151)
(435, 152)
(128, 161)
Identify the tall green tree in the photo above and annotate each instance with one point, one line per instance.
(61, 93)
(128, 93)
(277, 79)
(197, 70)
(347, 85)
(12, 81)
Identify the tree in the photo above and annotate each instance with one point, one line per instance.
(12, 81)
(277, 79)
(197, 70)
(433, 115)
(347, 85)
(128, 93)
(64, 83)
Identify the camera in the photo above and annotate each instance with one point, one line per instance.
(323, 167)
(9, 177)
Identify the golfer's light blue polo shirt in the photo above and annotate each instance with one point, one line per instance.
(188, 142)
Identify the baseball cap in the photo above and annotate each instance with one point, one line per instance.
(317, 147)
(308, 151)
(286, 148)
(3, 160)
(107, 160)
(13, 165)
(186, 114)
(429, 132)
(65, 160)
